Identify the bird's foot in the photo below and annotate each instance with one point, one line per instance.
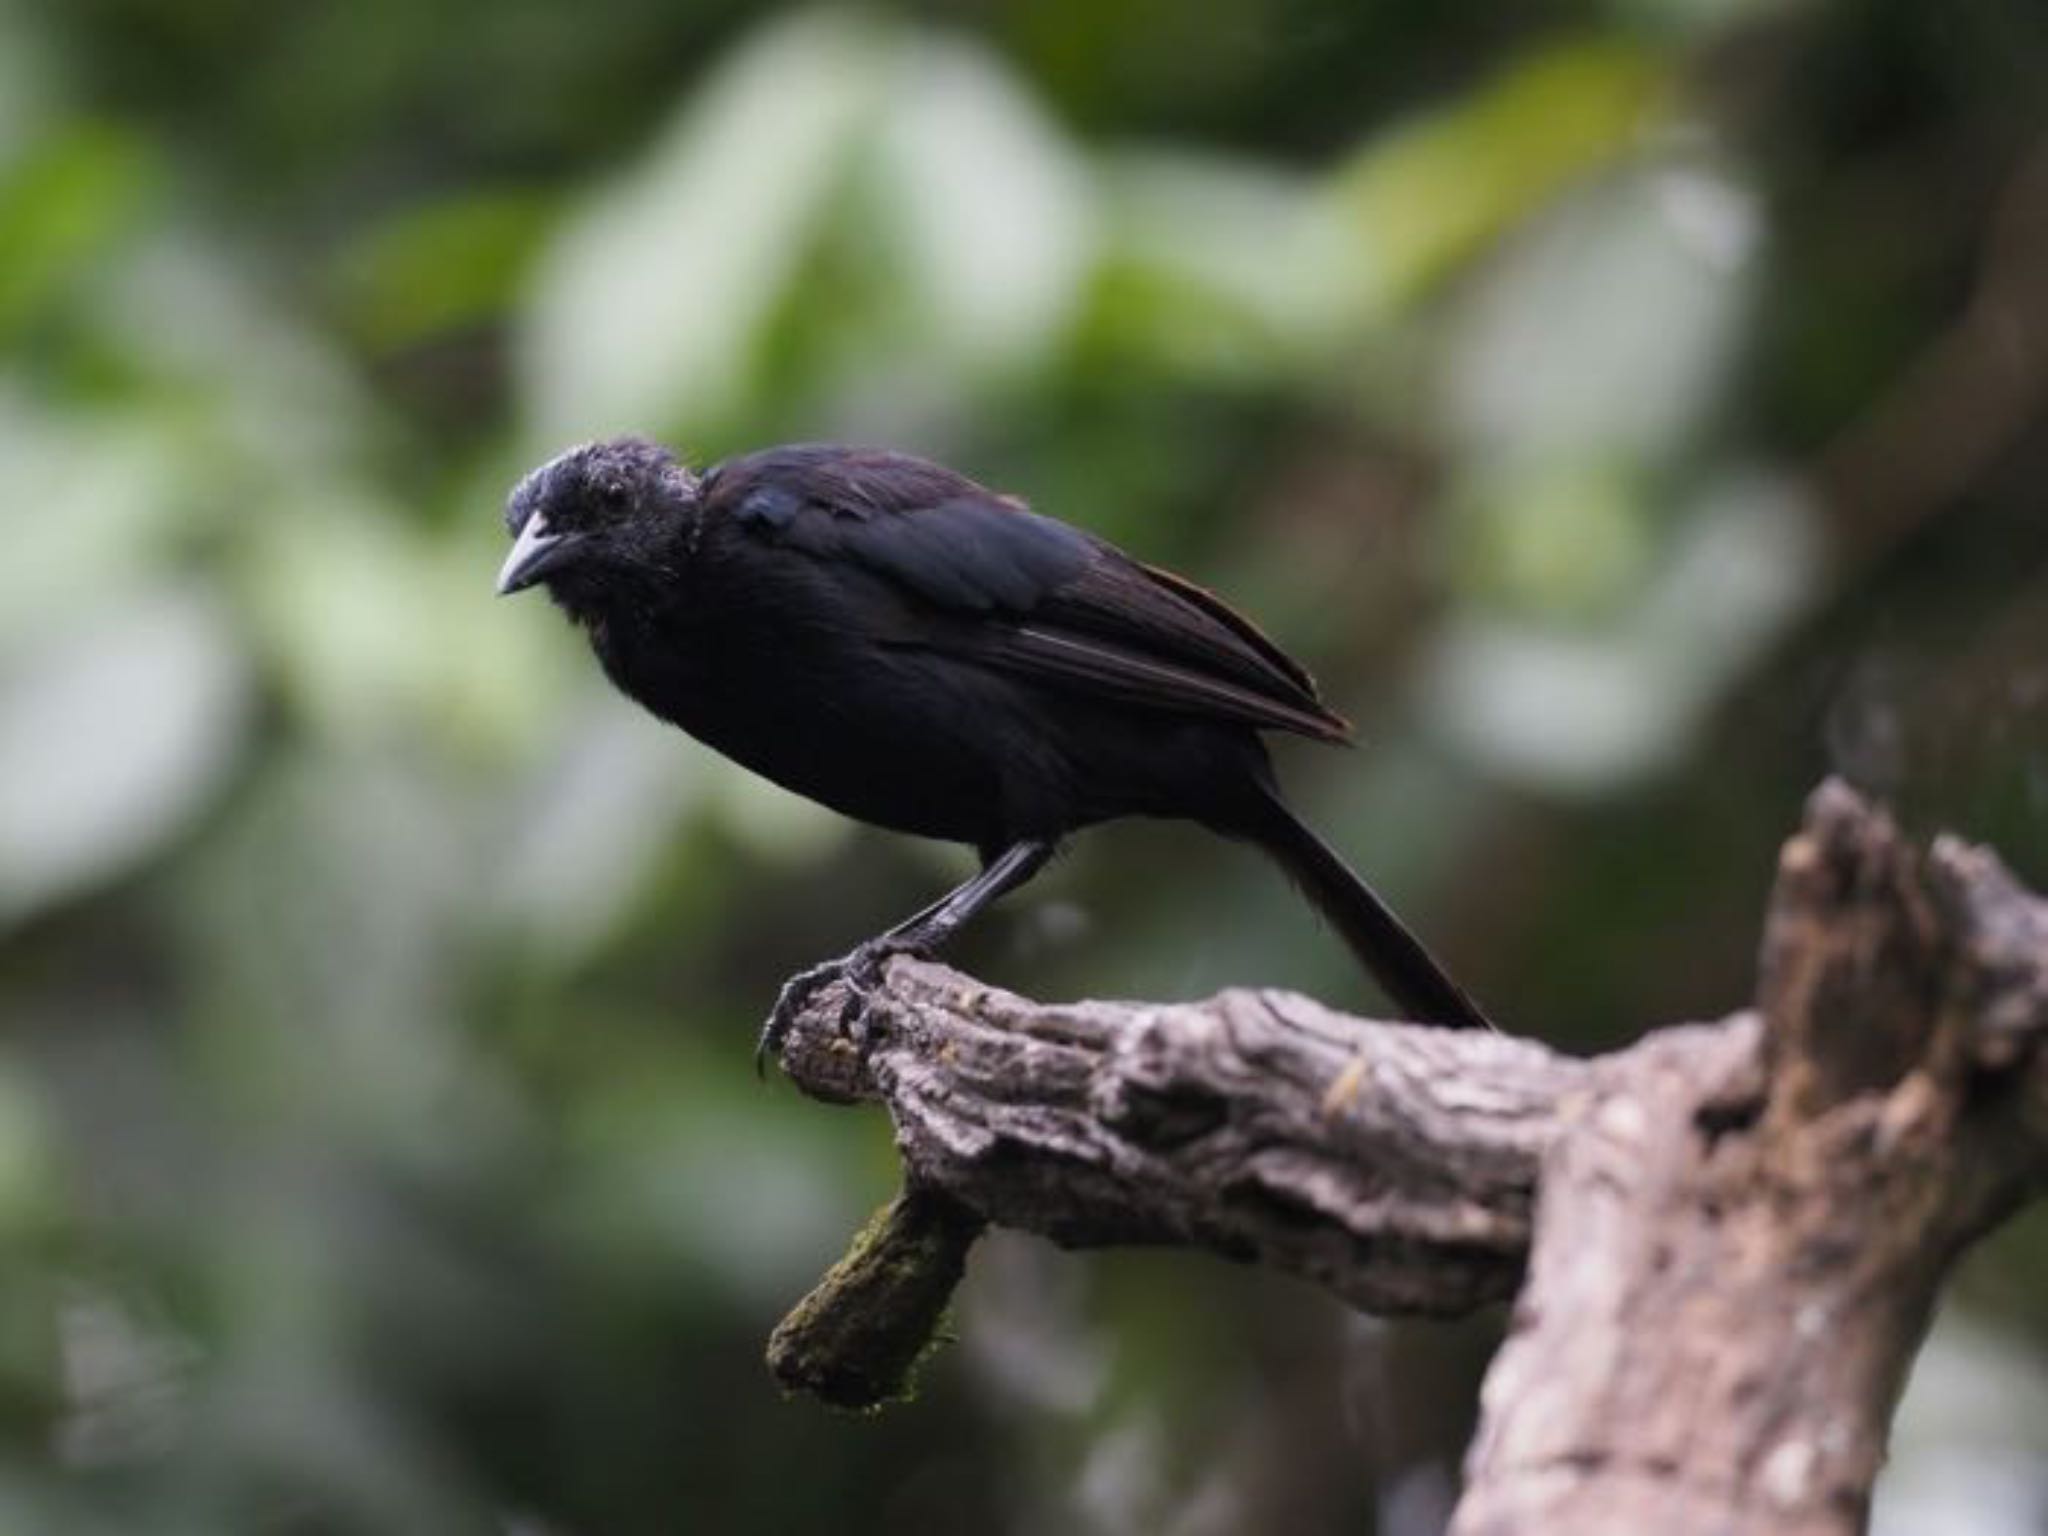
(859, 971)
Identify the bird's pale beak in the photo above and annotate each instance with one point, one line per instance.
(537, 551)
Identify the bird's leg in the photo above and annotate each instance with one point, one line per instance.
(923, 933)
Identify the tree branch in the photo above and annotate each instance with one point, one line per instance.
(1393, 1164)
(1741, 1228)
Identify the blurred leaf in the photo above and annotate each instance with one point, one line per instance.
(990, 207)
(771, 822)
(1426, 197)
(344, 604)
(1701, 16)
(1609, 327)
(26, 86)
(28, 1169)
(783, 1197)
(125, 1382)
(58, 206)
(1584, 711)
(325, 923)
(113, 733)
(443, 267)
(261, 400)
(1564, 538)
(377, 627)
(1218, 268)
(587, 837)
(105, 493)
(651, 305)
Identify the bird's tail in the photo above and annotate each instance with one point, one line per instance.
(1406, 971)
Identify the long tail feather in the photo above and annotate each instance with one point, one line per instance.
(1406, 971)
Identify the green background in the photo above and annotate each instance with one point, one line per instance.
(1632, 412)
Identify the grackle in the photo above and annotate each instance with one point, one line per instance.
(888, 638)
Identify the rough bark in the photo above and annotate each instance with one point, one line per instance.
(1724, 1241)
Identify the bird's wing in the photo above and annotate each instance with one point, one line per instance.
(991, 580)
(1143, 634)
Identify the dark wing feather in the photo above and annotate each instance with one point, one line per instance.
(1021, 592)
(935, 534)
(1240, 626)
(1120, 607)
(1141, 678)
(969, 554)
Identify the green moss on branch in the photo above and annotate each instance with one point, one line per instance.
(856, 1340)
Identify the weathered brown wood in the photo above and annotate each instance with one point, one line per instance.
(1721, 1307)
(1395, 1165)
(1724, 1241)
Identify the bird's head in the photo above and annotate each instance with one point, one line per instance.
(595, 515)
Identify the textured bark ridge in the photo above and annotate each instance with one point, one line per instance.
(1723, 1242)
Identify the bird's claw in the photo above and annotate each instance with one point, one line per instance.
(859, 972)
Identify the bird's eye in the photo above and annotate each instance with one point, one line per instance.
(611, 495)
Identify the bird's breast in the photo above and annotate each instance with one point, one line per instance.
(884, 734)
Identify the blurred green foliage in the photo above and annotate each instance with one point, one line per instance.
(1633, 410)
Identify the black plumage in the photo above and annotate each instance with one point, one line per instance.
(885, 636)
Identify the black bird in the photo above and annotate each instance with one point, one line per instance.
(885, 636)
